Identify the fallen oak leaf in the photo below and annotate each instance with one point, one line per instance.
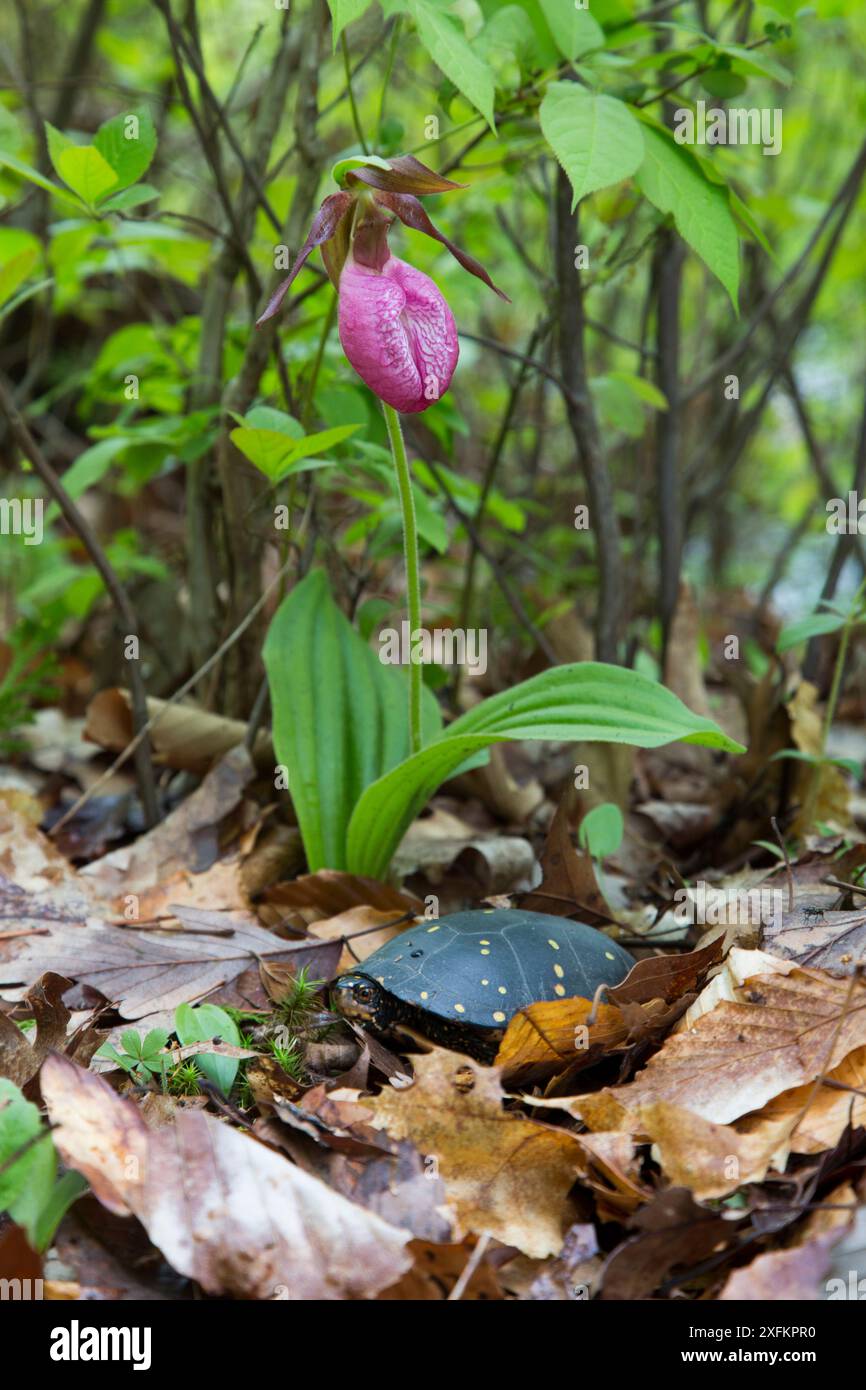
(504, 1174)
(224, 1210)
(20, 1060)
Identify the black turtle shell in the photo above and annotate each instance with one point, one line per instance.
(479, 968)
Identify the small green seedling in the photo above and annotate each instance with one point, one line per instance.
(142, 1058)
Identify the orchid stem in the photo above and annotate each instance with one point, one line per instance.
(413, 578)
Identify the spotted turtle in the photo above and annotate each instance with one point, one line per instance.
(458, 980)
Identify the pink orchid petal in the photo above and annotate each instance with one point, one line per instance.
(398, 333)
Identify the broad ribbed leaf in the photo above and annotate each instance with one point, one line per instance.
(450, 50)
(340, 717)
(588, 702)
(128, 144)
(596, 139)
(574, 31)
(674, 181)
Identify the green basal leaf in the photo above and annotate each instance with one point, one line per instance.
(340, 717)
(589, 702)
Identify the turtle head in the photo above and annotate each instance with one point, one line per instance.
(357, 996)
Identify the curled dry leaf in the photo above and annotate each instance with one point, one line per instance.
(666, 977)
(789, 1029)
(224, 1209)
(20, 1059)
(555, 1036)
(504, 1174)
(816, 1118)
(326, 894)
(831, 802)
(545, 1039)
(568, 887)
(183, 735)
(711, 1160)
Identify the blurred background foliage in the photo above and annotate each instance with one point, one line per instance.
(127, 312)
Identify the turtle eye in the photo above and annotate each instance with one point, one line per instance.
(357, 997)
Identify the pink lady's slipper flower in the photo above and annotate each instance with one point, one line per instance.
(395, 325)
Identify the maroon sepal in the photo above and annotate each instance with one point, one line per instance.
(412, 214)
(325, 224)
(406, 175)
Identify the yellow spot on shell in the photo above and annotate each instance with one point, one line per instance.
(436, 928)
(559, 989)
(485, 953)
(558, 971)
(502, 989)
(487, 910)
(424, 994)
(609, 955)
(482, 942)
(485, 982)
(458, 1008)
(554, 944)
(499, 1017)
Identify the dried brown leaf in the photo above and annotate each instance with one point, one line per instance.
(224, 1210)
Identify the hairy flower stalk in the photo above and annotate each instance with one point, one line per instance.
(395, 325)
